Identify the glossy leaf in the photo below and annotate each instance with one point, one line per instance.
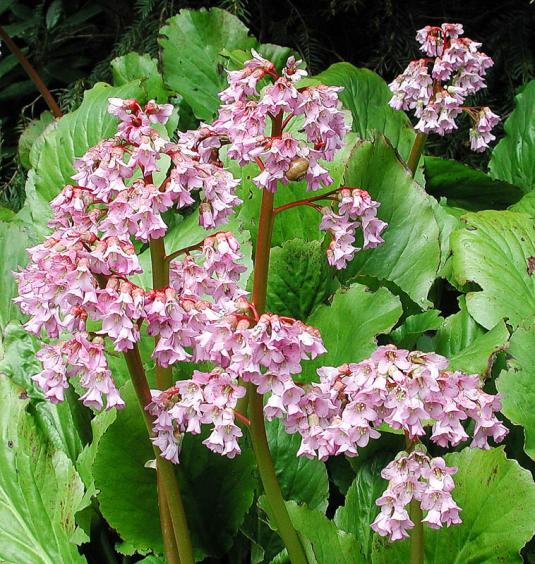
(517, 384)
(210, 485)
(350, 324)
(407, 334)
(300, 479)
(512, 158)
(493, 252)
(300, 278)
(467, 187)
(410, 255)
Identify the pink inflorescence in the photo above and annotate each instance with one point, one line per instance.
(435, 87)
(355, 209)
(424, 479)
(406, 390)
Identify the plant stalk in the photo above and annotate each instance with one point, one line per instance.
(164, 467)
(256, 407)
(416, 152)
(32, 73)
(417, 533)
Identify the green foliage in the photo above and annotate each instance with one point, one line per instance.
(350, 325)
(517, 383)
(493, 252)
(497, 498)
(301, 479)
(40, 490)
(211, 485)
(512, 158)
(410, 254)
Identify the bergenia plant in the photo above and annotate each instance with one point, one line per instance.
(435, 87)
(81, 297)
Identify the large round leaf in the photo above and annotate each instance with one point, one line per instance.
(467, 187)
(211, 486)
(192, 45)
(75, 133)
(300, 479)
(40, 491)
(512, 158)
(366, 95)
(497, 498)
(517, 383)
(350, 324)
(410, 254)
(494, 252)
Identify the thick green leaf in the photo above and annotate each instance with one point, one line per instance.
(526, 204)
(410, 255)
(25, 229)
(211, 485)
(366, 95)
(300, 278)
(466, 187)
(301, 479)
(192, 65)
(408, 333)
(322, 541)
(133, 66)
(75, 133)
(497, 497)
(40, 490)
(30, 134)
(359, 510)
(517, 384)
(512, 158)
(350, 324)
(493, 252)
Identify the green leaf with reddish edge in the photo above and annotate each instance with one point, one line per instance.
(300, 278)
(517, 384)
(366, 95)
(300, 479)
(210, 485)
(410, 255)
(493, 252)
(75, 133)
(497, 498)
(467, 187)
(512, 158)
(40, 491)
(322, 541)
(350, 324)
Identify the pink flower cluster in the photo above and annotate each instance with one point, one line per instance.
(355, 209)
(134, 206)
(435, 87)
(208, 398)
(265, 351)
(406, 390)
(427, 480)
(243, 120)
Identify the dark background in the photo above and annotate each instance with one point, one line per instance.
(71, 42)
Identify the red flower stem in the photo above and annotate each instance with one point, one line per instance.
(256, 408)
(166, 473)
(307, 201)
(32, 73)
(416, 152)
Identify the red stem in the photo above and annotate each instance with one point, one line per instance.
(32, 73)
